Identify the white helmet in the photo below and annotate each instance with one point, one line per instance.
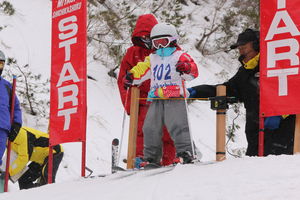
(163, 29)
(2, 56)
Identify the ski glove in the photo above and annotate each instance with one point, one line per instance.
(192, 92)
(183, 67)
(127, 80)
(15, 128)
(273, 122)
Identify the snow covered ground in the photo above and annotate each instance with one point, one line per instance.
(271, 178)
(27, 38)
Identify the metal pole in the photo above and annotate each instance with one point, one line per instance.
(123, 127)
(261, 137)
(50, 164)
(12, 109)
(187, 114)
(83, 158)
(297, 135)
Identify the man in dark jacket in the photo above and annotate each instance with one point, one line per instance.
(5, 99)
(142, 47)
(244, 85)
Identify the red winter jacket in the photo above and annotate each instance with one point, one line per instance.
(135, 54)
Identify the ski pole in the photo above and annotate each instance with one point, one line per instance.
(123, 125)
(186, 107)
(12, 109)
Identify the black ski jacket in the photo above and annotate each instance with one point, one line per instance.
(244, 85)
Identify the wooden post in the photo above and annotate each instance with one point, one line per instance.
(134, 112)
(297, 135)
(221, 123)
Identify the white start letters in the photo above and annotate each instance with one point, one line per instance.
(66, 85)
(273, 56)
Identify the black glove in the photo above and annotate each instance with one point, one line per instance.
(14, 130)
(128, 79)
(57, 148)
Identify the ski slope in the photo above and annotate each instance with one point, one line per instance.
(270, 178)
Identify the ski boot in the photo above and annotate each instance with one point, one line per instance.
(149, 164)
(184, 158)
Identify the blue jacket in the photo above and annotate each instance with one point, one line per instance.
(5, 90)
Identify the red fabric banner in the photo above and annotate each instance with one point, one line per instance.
(68, 72)
(279, 60)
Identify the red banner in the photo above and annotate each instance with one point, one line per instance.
(68, 72)
(279, 61)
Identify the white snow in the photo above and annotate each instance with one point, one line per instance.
(274, 177)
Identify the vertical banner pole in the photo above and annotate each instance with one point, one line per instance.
(221, 127)
(297, 135)
(50, 164)
(8, 149)
(83, 158)
(134, 112)
(261, 137)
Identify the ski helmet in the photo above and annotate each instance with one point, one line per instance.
(162, 29)
(2, 56)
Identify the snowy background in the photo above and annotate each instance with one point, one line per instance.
(27, 38)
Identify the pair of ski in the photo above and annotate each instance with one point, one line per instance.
(121, 172)
(154, 168)
(115, 158)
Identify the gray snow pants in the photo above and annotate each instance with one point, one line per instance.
(172, 114)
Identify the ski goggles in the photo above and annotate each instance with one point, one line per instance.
(162, 42)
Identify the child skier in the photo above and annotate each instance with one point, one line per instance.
(168, 67)
(134, 54)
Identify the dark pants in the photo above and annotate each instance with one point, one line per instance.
(281, 140)
(37, 171)
(276, 142)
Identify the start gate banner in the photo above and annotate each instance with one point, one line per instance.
(68, 72)
(279, 57)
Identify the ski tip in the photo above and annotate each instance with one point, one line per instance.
(117, 168)
(152, 166)
(115, 142)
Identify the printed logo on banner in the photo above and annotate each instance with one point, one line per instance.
(68, 72)
(279, 69)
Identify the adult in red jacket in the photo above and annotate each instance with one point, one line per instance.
(137, 53)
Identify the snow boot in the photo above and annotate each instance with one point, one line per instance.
(149, 163)
(185, 157)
